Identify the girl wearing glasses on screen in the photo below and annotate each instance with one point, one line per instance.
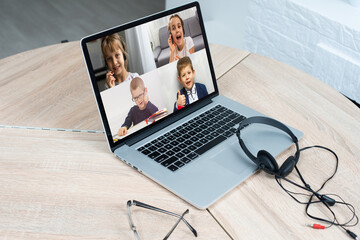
(180, 46)
(113, 49)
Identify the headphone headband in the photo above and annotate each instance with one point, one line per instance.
(269, 122)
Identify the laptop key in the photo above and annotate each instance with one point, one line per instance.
(152, 148)
(180, 155)
(192, 155)
(176, 149)
(209, 137)
(169, 161)
(192, 133)
(192, 147)
(228, 134)
(161, 158)
(162, 150)
(215, 134)
(230, 124)
(188, 142)
(233, 130)
(146, 152)
(211, 129)
(174, 143)
(222, 122)
(200, 135)
(238, 119)
(154, 155)
(221, 109)
(205, 132)
(182, 145)
(183, 131)
(194, 125)
(171, 137)
(185, 160)
(170, 153)
(216, 125)
(186, 136)
(186, 151)
(194, 139)
(168, 146)
(210, 144)
(177, 134)
(141, 149)
(179, 164)
(173, 168)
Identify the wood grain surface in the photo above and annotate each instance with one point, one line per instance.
(47, 87)
(259, 208)
(66, 185)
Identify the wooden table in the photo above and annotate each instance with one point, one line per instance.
(63, 182)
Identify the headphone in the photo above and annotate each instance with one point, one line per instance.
(264, 160)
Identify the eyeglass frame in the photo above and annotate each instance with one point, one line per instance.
(135, 99)
(143, 205)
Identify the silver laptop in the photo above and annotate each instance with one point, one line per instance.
(158, 99)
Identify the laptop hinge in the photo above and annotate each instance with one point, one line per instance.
(170, 120)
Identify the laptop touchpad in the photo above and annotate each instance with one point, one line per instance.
(232, 158)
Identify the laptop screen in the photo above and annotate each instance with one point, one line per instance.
(145, 71)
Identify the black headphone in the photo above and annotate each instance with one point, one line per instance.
(267, 162)
(264, 159)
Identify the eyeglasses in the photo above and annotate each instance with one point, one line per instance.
(143, 205)
(135, 99)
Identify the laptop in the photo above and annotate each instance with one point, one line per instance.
(167, 120)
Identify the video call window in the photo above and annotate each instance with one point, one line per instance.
(150, 71)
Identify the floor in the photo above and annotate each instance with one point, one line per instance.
(27, 24)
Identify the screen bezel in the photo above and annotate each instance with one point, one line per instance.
(144, 132)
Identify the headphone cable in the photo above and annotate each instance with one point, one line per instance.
(323, 198)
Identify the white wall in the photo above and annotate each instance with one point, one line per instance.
(320, 37)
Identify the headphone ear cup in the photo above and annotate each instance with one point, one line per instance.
(267, 162)
(287, 167)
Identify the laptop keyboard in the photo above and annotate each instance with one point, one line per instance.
(188, 141)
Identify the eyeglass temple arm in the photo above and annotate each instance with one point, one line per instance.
(132, 226)
(177, 223)
(140, 204)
